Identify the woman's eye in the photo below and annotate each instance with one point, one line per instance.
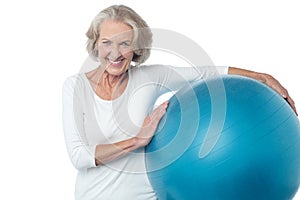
(106, 42)
(125, 44)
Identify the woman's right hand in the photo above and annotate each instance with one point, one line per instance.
(150, 125)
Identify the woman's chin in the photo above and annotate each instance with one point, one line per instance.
(115, 71)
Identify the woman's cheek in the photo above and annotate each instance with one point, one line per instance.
(128, 54)
(103, 52)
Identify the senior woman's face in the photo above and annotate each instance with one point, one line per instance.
(115, 46)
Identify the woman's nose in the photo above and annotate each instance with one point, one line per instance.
(115, 52)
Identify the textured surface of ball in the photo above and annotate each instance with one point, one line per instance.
(230, 139)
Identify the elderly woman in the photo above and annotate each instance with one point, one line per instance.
(106, 111)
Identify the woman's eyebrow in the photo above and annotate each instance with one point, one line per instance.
(104, 38)
(126, 41)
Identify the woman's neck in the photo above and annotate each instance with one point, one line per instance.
(111, 81)
(107, 86)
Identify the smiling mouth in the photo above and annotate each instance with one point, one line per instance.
(116, 62)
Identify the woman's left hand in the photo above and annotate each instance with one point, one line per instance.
(274, 84)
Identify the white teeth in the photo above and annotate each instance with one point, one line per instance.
(115, 62)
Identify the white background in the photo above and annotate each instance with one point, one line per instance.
(43, 42)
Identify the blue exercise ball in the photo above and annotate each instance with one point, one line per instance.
(229, 138)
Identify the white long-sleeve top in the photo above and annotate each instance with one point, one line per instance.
(89, 121)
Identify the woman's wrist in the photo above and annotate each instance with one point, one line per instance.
(140, 142)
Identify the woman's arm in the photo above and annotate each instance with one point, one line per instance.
(108, 152)
(268, 80)
(82, 154)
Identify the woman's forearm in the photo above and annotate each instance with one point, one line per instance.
(248, 73)
(108, 152)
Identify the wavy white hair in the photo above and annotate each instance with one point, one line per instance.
(142, 34)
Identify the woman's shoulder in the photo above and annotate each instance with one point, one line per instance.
(153, 68)
(75, 80)
(152, 73)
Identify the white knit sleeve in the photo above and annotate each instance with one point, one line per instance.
(203, 72)
(80, 152)
(171, 78)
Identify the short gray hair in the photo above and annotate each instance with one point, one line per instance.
(142, 34)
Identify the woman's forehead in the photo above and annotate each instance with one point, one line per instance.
(112, 29)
